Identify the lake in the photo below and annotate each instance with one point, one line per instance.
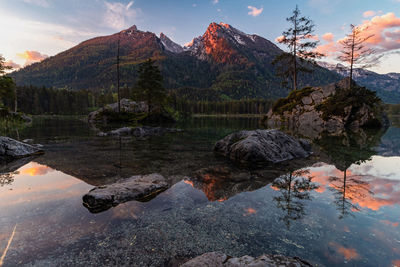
(340, 206)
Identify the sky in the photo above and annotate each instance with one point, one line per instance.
(32, 30)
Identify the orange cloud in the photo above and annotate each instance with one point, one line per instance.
(347, 253)
(279, 39)
(394, 224)
(32, 57)
(37, 170)
(250, 211)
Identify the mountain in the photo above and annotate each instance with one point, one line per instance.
(223, 63)
(387, 86)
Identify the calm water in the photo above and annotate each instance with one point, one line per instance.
(341, 206)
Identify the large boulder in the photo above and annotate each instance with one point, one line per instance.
(140, 187)
(13, 149)
(218, 259)
(144, 131)
(262, 146)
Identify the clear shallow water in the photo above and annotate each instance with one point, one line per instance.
(342, 206)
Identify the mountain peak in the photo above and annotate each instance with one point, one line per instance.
(225, 25)
(169, 44)
(131, 29)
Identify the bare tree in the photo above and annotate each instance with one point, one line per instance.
(355, 52)
(301, 47)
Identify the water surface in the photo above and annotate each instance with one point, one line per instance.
(341, 206)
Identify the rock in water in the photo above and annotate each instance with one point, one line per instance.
(262, 146)
(13, 149)
(127, 106)
(217, 259)
(141, 188)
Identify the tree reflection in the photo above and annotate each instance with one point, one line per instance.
(7, 178)
(347, 191)
(294, 188)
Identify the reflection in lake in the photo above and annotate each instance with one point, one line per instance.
(346, 190)
(294, 188)
(301, 210)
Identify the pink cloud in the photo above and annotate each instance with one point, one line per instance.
(32, 57)
(328, 37)
(385, 31)
(255, 11)
(12, 64)
(369, 13)
(382, 27)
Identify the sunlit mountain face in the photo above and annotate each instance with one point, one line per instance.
(331, 209)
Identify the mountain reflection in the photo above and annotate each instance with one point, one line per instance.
(294, 188)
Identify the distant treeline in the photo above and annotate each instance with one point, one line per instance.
(42, 100)
(246, 106)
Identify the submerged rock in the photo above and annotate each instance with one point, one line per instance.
(218, 259)
(139, 131)
(140, 187)
(13, 149)
(262, 146)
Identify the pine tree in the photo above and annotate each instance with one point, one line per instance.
(7, 85)
(354, 51)
(149, 86)
(301, 48)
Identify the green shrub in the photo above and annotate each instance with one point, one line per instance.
(355, 97)
(291, 101)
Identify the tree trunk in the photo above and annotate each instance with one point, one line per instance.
(15, 100)
(294, 58)
(352, 60)
(118, 96)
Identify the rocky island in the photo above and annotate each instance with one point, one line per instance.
(331, 108)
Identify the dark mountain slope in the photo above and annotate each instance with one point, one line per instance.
(223, 62)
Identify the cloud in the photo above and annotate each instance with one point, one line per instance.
(328, 37)
(255, 11)
(324, 6)
(194, 5)
(369, 13)
(32, 57)
(12, 64)
(279, 39)
(215, 2)
(385, 31)
(119, 16)
(41, 3)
